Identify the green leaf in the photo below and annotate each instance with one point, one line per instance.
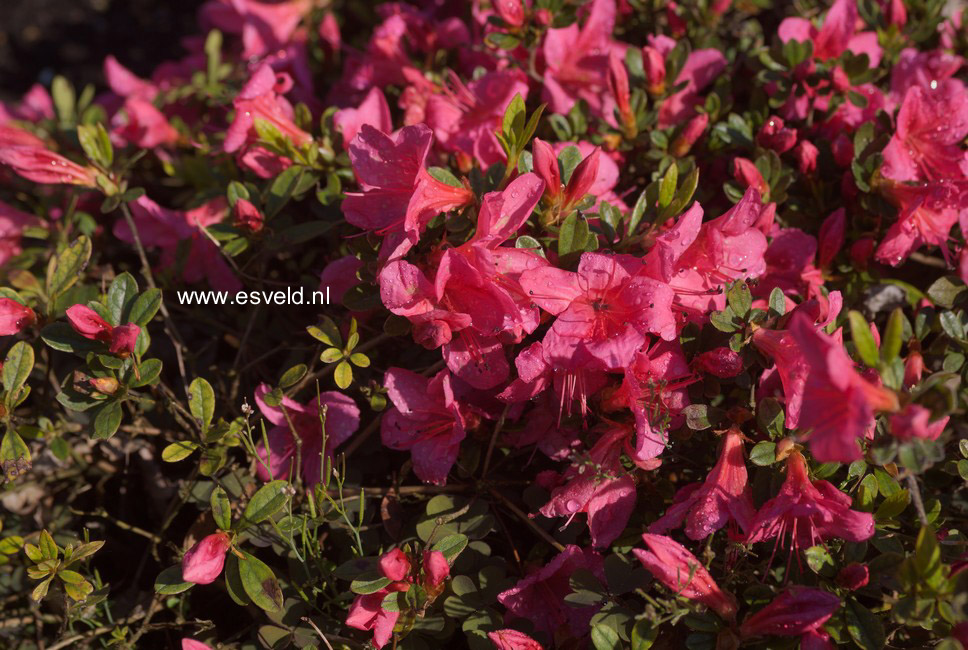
(569, 158)
(819, 559)
(201, 402)
(144, 307)
(512, 126)
(98, 149)
(605, 637)
(213, 54)
(860, 333)
(122, 293)
(327, 332)
(65, 99)
(343, 375)
(451, 546)
(893, 505)
(644, 634)
(260, 583)
(292, 376)
(282, 189)
(739, 298)
(770, 417)
(368, 586)
(221, 508)
(177, 451)
(946, 291)
(267, 501)
(107, 420)
(17, 367)
(14, 455)
(638, 211)
(150, 370)
(777, 301)
(170, 581)
(48, 548)
(891, 342)
(763, 453)
(233, 580)
(65, 269)
(723, 320)
(865, 628)
(667, 187)
(573, 235)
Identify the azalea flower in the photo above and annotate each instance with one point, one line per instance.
(927, 211)
(46, 167)
(121, 339)
(539, 597)
(603, 313)
(14, 317)
(836, 36)
(341, 417)
(203, 562)
(425, 419)
(680, 571)
(915, 422)
(264, 26)
(805, 513)
(701, 68)
(373, 110)
(142, 125)
(512, 639)
(797, 611)
(724, 497)
(12, 224)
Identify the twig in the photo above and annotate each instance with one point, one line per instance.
(915, 491)
(494, 435)
(527, 520)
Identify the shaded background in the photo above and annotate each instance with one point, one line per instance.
(41, 38)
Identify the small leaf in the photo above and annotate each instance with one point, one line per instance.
(451, 546)
(739, 298)
(177, 451)
(667, 187)
(267, 501)
(144, 307)
(891, 343)
(221, 508)
(343, 375)
(865, 628)
(893, 505)
(292, 376)
(65, 269)
(763, 453)
(170, 581)
(605, 637)
(863, 339)
(260, 583)
(201, 402)
(778, 301)
(107, 420)
(368, 586)
(17, 367)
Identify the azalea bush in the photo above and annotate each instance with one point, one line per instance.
(497, 324)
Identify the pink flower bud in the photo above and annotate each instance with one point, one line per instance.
(806, 155)
(192, 644)
(123, 340)
(513, 640)
(748, 175)
(543, 16)
(690, 133)
(14, 317)
(44, 166)
(774, 135)
(202, 564)
(395, 565)
(435, 567)
(915, 422)
(843, 148)
(913, 369)
(582, 179)
(654, 64)
(13, 137)
(106, 385)
(853, 576)
(546, 166)
(832, 234)
(720, 362)
(511, 11)
(247, 216)
(861, 251)
(840, 79)
(897, 13)
(794, 612)
(88, 324)
(618, 84)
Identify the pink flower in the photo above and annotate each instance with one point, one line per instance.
(398, 193)
(46, 167)
(510, 11)
(915, 422)
(125, 83)
(691, 132)
(723, 497)
(776, 136)
(12, 224)
(835, 36)
(838, 404)
(564, 198)
(927, 213)
(701, 69)
(121, 339)
(720, 362)
(165, 229)
(917, 68)
(367, 613)
(832, 235)
(604, 313)
(192, 644)
(577, 62)
(597, 485)
(373, 110)
(425, 419)
(264, 26)
(341, 416)
(465, 117)
(854, 576)
(512, 639)
(203, 563)
(809, 513)
(931, 125)
(539, 597)
(435, 568)
(681, 572)
(14, 317)
(395, 565)
(797, 611)
(746, 173)
(618, 85)
(11, 136)
(806, 154)
(247, 217)
(143, 125)
(259, 99)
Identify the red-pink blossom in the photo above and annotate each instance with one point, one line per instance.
(775, 135)
(121, 339)
(263, 26)
(510, 11)
(701, 68)
(192, 644)
(203, 562)
(746, 173)
(853, 576)
(723, 497)
(720, 362)
(141, 124)
(435, 568)
(796, 611)
(342, 418)
(806, 154)
(395, 564)
(927, 211)
(12, 224)
(690, 133)
(833, 231)
(14, 317)
(835, 36)
(681, 572)
(915, 422)
(373, 110)
(805, 513)
(247, 216)
(513, 640)
(46, 167)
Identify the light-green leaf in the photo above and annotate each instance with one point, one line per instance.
(16, 369)
(860, 333)
(260, 583)
(65, 269)
(267, 501)
(201, 402)
(221, 508)
(107, 420)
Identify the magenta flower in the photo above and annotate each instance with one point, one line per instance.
(264, 26)
(838, 404)
(120, 339)
(775, 135)
(46, 167)
(11, 136)
(854, 576)
(931, 125)
(702, 67)
(192, 644)
(465, 117)
(682, 573)
(539, 597)
(831, 238)
(915, 422)
(141, 124)
(835, 36)
(373, 110)
(426, 420)
(164, 228)
(747, 175)
(603, 313)
(722, 498)
(599, 486)
(563, 198)
(795, 612)
(203, 563)
(14, 317)
(342, 418)
(12, 224)
(513, 640)
(260, 99)
(808, 513)
(246, 216)
(719, 362)
(367, 613)
(927, 211)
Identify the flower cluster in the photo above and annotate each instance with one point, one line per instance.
(651, 324)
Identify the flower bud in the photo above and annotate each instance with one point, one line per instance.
(853, 576)
(203, 563)
(690, 133)
(720, 362)
(806, 155)
(435, 568)
(106, 385)
(913, 369)
(832, 234)
(654, 64)
(774, 135)
(45, 166)
(510, 11)
(746, 173)
(247, 216)
(14, 317)
(395, 565)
